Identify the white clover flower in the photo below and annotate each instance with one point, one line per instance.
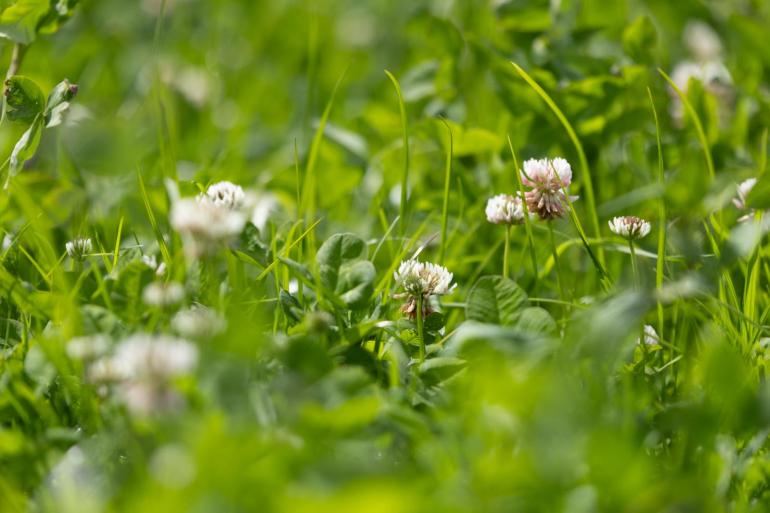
(744, 188)
(548, 179)
(651, 337)
(155, 357)
(162, 294)
(88, 348)
(505, 209)
(226, 194)
(78, 249)
(629, 227)
(198, 322)
(205, 225)
(265, 206)
(106, 370)
(715, 78)
(142, 368)
(702, 41)
(424, 278)
(421, 279)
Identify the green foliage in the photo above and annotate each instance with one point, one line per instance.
(164, 350)
(344, 270)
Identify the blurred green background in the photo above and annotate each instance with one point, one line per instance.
(203, 91)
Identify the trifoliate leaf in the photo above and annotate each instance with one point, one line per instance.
(495, 300)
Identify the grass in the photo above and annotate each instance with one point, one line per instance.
(263, 353)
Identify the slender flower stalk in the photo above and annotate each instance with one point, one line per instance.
(556, 265)
(527, 214)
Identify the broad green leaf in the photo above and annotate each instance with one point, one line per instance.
(24, 100)
(355, 283)
(343, 269)
(495, 300)
(19, 22)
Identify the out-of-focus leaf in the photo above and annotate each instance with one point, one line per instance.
(640, 39)
(344, 270)
(19, 22)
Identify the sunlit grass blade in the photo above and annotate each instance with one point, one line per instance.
(447, 178)
(527, 220)
(153, 222)
(586, 171)
(659, 265)
(404, 206)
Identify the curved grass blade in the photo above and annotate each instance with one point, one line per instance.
(404, 206)
(588, 180)
(447, 177)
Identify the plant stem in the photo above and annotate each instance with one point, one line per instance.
(420, 334)
(505, 250)
(17, 54)
(634, 269)
(527, 220)
(555, 251)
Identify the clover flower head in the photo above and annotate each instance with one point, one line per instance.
(744, 188)
(198, 322)
(142, 367)
(88, 348)
(505, 209)
(702, 41)
(162, 294)
(629, 227)
(548, 179)
(651, 337)
(423, 278)
(155, 357)
(204, 224)
(226, 194)
(78, 248)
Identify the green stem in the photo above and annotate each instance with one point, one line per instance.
(527, 220)
(556, 265)
(634, 268)
(505, 250)
(420, 333)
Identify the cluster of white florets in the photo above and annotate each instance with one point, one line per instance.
(505, 209)
(630, 227)
(140, 369)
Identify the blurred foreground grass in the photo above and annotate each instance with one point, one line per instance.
(308, 393)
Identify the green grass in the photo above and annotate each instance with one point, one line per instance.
(299, 377)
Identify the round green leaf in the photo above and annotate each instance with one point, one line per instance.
(495, 300)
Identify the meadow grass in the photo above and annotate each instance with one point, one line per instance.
(330, 256)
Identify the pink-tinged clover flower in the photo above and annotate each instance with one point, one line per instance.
(548, 179)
